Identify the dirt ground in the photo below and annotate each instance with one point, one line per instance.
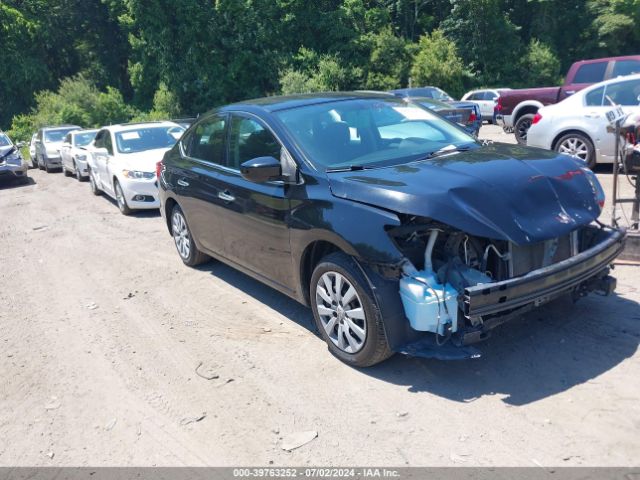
(106, 340)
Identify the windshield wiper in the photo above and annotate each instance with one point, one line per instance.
(446, 150)
(348, 168)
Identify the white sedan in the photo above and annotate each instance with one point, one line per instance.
(577, 126)
(123, 161)
(73, 153)
(486, 99)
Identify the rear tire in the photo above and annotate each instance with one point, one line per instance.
(521, 128)
(345, 312)
(186, 246)
(577, 145)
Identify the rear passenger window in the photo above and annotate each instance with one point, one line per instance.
(207, 140)
(594, 98)
(591, 73)
(624, 93)
(250, 139)
(625, 67)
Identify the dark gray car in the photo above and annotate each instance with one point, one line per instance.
(48, 145)
(12, 164)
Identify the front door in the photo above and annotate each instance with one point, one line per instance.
(256, 233)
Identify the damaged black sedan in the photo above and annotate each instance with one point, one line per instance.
(402, 232)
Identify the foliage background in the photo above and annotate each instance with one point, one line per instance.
(95, 62)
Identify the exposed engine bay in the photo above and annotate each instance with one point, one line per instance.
(448, 272)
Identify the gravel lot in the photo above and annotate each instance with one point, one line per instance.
(106, 340)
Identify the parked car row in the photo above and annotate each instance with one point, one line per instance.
(517, 108)
(118, 160)
(398, 227)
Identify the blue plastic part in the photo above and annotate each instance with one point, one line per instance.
(429, 306)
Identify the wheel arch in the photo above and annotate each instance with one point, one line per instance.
(524, 109)
(313, 253)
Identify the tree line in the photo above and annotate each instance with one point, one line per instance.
(95, 62)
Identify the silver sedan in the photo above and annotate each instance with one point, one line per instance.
(578, 125)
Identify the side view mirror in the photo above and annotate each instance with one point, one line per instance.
(261, 169)
(21, 144)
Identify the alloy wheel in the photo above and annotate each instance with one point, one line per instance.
(341, 312)
(574, 147)
(181, 234)
(120, 197)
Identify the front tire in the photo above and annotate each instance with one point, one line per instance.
(521, 128)
(120, 199)
(186, 246)
(345, 312)
(77, 170)
(579, 146)
(65, 172)
(95, 189)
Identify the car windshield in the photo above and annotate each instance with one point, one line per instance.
(147, 138)
(84, 138)
(367, 133)
(4, 140)
(55, 136)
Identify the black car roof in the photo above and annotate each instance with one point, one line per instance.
(273, 104)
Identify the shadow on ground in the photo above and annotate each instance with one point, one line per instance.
(539, 355)
(8, 184)
(151, 213)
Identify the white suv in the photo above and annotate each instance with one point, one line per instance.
(122, 162)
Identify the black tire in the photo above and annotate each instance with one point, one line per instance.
(77, 170)
(578, 138)
(521, 128)
(65, 172)
(47, 168)
(94, 186)
(41, 163)
(375, 348)
(185, 245)
(120, 199)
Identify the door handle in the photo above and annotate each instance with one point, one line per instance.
(226, 196)
(569, 92)
(183, 183)
(592, 115)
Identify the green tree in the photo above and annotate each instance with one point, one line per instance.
(436, 62)
(389, 61)
(325, 76)
(540, 65)
(486, 38)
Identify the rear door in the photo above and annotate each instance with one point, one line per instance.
(256, 214)
(603, 100)
(197, 179)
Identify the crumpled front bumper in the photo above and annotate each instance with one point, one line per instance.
(545, 283)
(13, 170)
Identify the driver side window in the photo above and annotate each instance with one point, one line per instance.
(250, 139)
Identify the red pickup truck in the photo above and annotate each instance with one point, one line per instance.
(516, 108)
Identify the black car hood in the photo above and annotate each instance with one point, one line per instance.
(498, 191)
